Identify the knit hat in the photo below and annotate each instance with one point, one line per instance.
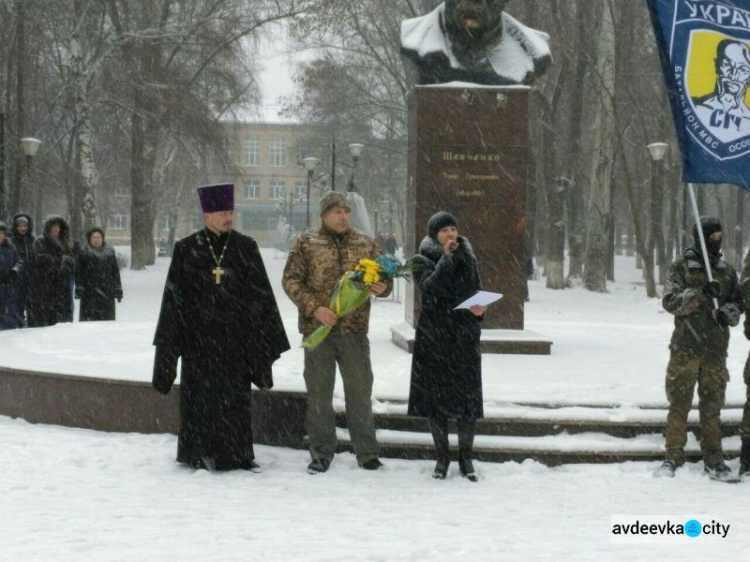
(217, 198)
(21, 220)
(3, 227)
(439, 221)
(332, 201)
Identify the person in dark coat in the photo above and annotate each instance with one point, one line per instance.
(391, 245)
(97, 278)
(50, 275)
(446, 373)
(220, 315)
(22, 235)
(10, 272)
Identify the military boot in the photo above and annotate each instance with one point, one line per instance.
(745, 458)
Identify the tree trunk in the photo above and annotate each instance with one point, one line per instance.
(140, 208)
(600, 212)
(84, 138)
(576, 201)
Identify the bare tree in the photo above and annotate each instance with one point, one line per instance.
(600, 212)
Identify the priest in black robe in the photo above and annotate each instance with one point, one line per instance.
(218, 314)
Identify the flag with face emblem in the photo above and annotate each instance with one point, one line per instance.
(704, 46)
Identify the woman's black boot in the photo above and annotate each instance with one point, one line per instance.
(441, 469)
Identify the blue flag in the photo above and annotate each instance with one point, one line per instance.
(705, 54)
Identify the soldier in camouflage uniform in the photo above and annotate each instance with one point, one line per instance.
(698, 349)
(317, 260)
(745, 425)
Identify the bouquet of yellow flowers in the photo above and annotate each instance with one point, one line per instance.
(352, 289)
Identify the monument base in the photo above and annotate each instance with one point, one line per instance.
(509, 342)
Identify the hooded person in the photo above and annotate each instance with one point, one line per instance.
(219, 314)
(11, 267)
(51, 273)
(22, 236)
(446, 372)
(98, 282)
(703, 311)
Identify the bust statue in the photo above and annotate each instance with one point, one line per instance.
(474, 41)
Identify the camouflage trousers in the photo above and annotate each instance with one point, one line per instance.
(711, 375)
(745, 425)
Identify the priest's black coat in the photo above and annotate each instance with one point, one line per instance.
(446, 373)
(228, 336)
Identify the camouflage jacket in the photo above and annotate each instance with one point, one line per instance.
(695, 329)
(316, 261)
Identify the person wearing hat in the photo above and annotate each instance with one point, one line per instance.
(51, 275)
(10, 271)
(22, 235)
(446, 371)
(219, 314)
(698, 348)
(315, 262)
(98, 282)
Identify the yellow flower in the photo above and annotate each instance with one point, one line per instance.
(370, 271)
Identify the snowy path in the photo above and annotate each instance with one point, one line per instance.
(73, 495)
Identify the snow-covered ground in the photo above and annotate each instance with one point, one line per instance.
(74, 495)
(68, 494)
(608, 349)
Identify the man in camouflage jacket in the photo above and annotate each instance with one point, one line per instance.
(698, 349)
(317, 260)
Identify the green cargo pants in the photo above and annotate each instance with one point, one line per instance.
(745, 425)
(352, 353)
(711, 374)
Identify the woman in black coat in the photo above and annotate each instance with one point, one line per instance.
(10, 272)
(97, 278)
(51, 275)
(446, 375)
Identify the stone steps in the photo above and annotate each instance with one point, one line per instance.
(551, 436)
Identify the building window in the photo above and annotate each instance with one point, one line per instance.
(252, 189)
(165, 223)
(117, 221)
(252, 151)
(121, 190)
(278, 189)
(277, 147)
(300, 190)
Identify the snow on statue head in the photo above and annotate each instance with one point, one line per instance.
(474, 41)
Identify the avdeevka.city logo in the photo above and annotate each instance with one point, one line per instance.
(710, 53)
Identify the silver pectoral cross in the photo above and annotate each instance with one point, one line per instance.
(218, 272)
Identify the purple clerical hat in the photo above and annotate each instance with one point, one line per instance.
(217, 198)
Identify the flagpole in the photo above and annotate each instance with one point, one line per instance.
(702, 239)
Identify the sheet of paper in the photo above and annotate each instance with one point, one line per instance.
(481, 298)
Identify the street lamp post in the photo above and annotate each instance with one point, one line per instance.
(310, 163)
(657, 150)
(355, 149)
(29, 147)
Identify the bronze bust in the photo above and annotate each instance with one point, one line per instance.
(474, 41)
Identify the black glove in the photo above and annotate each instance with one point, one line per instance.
(712, 289)
(729, 315)
(118, 295)
(165, 368)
